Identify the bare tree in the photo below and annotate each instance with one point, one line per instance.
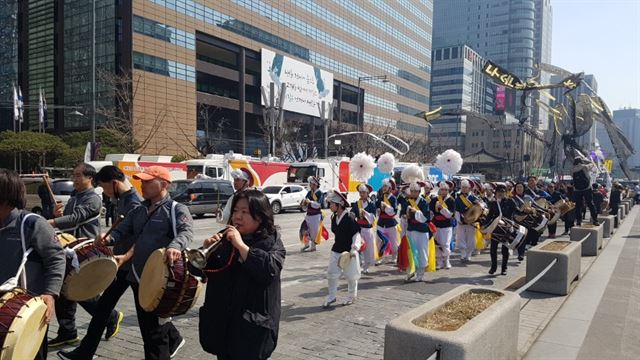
(213, 133)
(134, 132)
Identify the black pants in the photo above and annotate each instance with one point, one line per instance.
(102, 314)
(106, 304)
(493, 251)
(66, 314)
(569, 220)
(584, 198)
(159, 340)
(552, 229)
(531, 239)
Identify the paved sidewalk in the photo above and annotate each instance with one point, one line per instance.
(601, 317)
(306, 330)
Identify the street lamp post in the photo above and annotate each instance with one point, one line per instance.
(93, 73)
(384, 79)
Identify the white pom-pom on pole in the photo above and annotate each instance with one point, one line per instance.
(412, 173)
(450, 162)
(362, 166)
(386, 163)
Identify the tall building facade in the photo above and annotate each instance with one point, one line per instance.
(457, 82)
(512, 33)
(628, 120)
(197, 65)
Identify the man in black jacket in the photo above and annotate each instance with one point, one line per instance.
(583, 193)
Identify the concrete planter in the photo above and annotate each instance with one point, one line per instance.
(627, 206)
(499, 322)
(607, 222)
(559, 278)
(621, 212)
(593, 244)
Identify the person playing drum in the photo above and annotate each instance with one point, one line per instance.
(365, 211)
(158, 223)
(45, 270)
(443, 208)
(347, 242)
(554, 196)
(313, 202)
(519, 198)
(81, 215)
(115, 186)
(241, 312)
(499, 206)
(242, 180)
(465, 233)
(386, 205)
(416, 211)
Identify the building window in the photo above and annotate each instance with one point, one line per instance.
(164, 32)
(454, 53)
(164, 67)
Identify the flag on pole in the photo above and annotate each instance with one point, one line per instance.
(20, 105)
(42, 110)
(16, 105)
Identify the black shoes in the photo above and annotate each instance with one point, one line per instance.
(113, 327)
(61, 340)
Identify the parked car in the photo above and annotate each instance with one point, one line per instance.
(62, 190)
(201, 196)
(285, 197)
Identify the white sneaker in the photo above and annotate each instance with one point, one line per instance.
(348, 300)
(410, 276)
(448, 265)
(417, 279)
(365, 271)
(328, 301)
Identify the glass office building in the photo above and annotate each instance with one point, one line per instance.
(191, 58)
(515, 34)
(8, 60)
(457, 83)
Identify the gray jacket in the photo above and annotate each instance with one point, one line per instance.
(81, 207)
(126, 203)
(155, 232)
(45, 265)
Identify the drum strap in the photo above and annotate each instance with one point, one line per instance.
(173, 227)
(25, 251)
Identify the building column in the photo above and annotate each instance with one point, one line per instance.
(242, 98)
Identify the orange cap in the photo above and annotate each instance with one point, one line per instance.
(153, 172)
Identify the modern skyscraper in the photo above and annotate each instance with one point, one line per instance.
(457, 82)
(186, 55)
(628, 120)
(503, 31)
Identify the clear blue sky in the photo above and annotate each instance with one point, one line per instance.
(601, 37)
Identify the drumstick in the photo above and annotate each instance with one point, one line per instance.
(45, 178)
(115, 224)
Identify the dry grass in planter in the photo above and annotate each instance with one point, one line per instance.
(456, 313)
(556, 245)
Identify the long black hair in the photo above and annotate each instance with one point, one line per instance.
(259, 209)
(12, 189)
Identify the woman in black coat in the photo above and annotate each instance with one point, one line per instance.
(241, 311)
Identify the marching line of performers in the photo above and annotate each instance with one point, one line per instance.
(398, 223)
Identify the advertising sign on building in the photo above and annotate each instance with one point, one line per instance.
(500, 99)
(306, 85)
